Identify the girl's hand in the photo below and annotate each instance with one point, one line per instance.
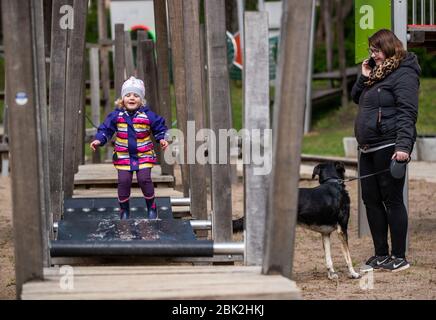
(366, 69)
(163, 144)
(94, 144)
(401, 156)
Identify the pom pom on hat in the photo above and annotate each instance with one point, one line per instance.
(133, 85)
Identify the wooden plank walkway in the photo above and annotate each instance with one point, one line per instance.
(105, 173)
(163, 282)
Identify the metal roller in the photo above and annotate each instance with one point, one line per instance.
(199, 248)
(177, 202)
(73, 248)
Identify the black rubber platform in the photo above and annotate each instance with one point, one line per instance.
(131, 229)
(108, 208)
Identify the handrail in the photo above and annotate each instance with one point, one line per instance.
(426, 13)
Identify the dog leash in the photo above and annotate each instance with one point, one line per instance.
(366, 176)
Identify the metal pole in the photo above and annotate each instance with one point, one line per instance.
(431, 11)
(400, 30)
(414, 12)
(422, 11)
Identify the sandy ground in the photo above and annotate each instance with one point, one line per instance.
(418, 282)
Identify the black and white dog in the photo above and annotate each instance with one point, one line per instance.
(324, 209)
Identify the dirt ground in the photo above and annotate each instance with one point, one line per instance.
(418, 282)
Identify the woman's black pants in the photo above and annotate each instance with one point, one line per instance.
(383, 198)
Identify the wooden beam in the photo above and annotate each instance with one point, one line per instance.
(288, 131)
(128, 51)
(341, 51)
(57, 106)
(194, 102)
(140, 55)
(104, 61)
(37, 10)
(74, 88)
(162, 56)
(94, 68)
(219, 104)
(28, 225)
(256, 116)
(108, 103)
(119, 59)
(150, 76)
(175, 13)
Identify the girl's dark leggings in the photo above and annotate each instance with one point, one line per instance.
(125, 183)
(383, 198)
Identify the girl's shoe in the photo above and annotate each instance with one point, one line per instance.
(152, 213)
(124, 214)
(151, 208)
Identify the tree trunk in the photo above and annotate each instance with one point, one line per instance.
(341, 50)
(327, 15)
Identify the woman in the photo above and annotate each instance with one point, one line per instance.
(387, 95)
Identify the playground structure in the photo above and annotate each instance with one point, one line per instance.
(49, 222)
(53, 154)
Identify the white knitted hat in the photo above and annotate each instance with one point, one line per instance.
(133, 85)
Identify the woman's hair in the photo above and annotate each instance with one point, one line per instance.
(387, 41)
(119, 102)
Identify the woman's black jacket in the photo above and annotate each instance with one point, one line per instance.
(388, 109)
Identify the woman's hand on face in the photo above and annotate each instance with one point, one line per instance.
(401, 156)
(163, 144)
(94, 144)
(366, 69)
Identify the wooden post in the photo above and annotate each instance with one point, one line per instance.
(119, 59)
(74, 87)
(57, 106)
(288, 130)
(162, 56)
(175, 13)
(81, 132)
(205, 100)
(362, 220)
(128, 51)
(308, 109)
(256, 116)
(140, 54)
(104, 61)
(95, 93)
(219, 103)
(5, 155)
(21, 64)
(194, 102)
(37, 10)
(150, 76)
(326, 11)
(104, 57)
(341, 51)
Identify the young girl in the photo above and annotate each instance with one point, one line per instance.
(133, 123)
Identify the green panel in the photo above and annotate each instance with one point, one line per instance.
(370, 16)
